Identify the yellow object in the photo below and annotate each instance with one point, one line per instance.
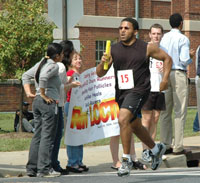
(108, 43)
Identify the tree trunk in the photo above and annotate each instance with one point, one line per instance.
(21, 106)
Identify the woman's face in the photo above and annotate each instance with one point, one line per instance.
(59, 57)
(76, 61)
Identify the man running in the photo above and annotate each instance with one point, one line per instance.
(130, 58)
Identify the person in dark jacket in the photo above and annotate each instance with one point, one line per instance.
(27, 119)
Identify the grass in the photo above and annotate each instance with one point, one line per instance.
(11, 141)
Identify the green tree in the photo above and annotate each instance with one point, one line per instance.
(24, 36)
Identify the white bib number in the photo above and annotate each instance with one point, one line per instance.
(156, 65)
(125, 79)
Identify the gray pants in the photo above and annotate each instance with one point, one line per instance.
(42, 142)
(27, 126)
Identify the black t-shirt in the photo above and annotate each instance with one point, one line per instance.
(132, 57)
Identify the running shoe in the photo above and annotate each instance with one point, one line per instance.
(146, 156)
(125, 168)
(157, 158)
(51, 173)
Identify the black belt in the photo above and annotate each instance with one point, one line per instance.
(179, 70)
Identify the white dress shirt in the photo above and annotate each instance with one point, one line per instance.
(177, 46)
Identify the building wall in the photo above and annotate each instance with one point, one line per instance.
(150, 9)
(10, 96)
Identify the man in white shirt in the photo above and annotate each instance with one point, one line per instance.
(156, 100)
(197, 82)
(177, 46)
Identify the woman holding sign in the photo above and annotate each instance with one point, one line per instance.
(75, 153)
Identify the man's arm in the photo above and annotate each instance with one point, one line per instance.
(100, 68)
(154, 51)
(186, 54)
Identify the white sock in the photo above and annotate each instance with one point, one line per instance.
(134, 158)
(155, 150)
(127, 156)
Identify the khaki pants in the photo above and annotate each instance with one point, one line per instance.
(197, 81)
(176, 96)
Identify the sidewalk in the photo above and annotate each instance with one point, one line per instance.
(97, 158)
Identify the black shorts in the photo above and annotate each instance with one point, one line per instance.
(133, 102)
(155, 101)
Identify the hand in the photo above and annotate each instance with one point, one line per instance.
(30, 95)
(105, 57)
(70, 79)
(192, 52)
(163, 85)
(47, 99)
(75, 84)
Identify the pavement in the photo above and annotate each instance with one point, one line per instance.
(98, 158)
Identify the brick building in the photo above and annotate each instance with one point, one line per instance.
(98, 21)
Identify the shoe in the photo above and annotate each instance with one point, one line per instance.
(169, 151)
(145, 156)
(125, 168)
(51, 173)
(64, 171)
(74, 169)
(31, 174)
(157, 159)
(114, 168)
(164, 157)
(84, 167)
(185, 152)
(138, 165)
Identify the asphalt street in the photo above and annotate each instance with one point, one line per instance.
(165, 175)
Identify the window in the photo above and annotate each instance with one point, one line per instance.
(100, 49)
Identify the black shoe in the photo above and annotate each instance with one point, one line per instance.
(74, 169)
(31, 174)
(64, 171)
(84, 167)
(184, 151)
(169, 151)
(138, 165)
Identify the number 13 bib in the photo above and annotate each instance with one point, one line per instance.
(125, 79)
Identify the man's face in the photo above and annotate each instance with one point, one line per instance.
(127, 32)
(155, 35)
(25, 107)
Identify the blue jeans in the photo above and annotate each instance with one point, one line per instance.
(59, 134)
(196, 124)
(74, 153)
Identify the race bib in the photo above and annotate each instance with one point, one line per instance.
(156, 65)
(125, 79)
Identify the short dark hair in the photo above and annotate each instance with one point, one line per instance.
(175, 20)
(133, 21)
(158, 26)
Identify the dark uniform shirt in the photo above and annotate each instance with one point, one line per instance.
(132, 57)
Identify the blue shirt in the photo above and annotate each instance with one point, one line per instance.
(198, 61)
(177, 46)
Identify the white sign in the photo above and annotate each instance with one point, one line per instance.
(93, 112)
